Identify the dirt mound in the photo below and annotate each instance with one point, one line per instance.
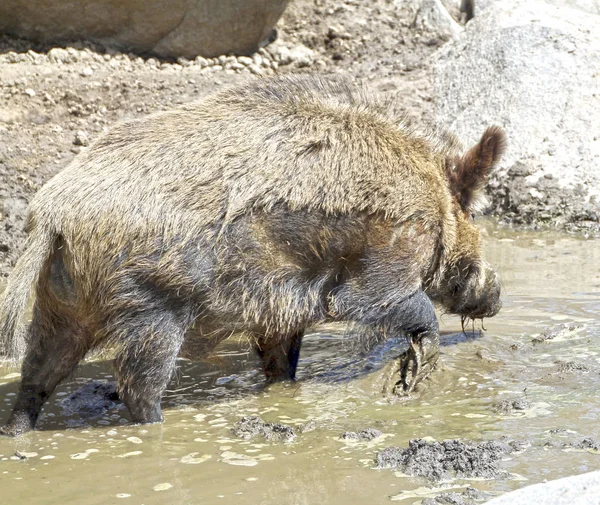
(250, 426)
(363, 435)
(438, 461)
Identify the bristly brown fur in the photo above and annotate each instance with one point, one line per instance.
(263, 209)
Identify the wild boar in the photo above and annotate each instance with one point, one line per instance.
(264, 209)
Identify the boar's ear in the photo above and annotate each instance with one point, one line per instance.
(472, 170)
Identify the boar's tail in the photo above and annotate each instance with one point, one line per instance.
(13, 301)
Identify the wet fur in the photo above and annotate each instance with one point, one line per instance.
(264, 209)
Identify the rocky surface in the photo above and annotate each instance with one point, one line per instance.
(577, 490)
(160, 27)
(591, 6)
(533, 68)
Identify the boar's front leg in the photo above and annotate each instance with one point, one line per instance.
(279, 355)
(416, 317)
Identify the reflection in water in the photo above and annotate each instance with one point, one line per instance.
(192, 458)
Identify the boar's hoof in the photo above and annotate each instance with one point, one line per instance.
(417, 362)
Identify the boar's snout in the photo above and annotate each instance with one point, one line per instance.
(478, 296)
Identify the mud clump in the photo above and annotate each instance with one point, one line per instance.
(365, 435)
(586, 444)
(569, 367)
(469, 496)
(448, 459)
(92, 399)
(510, 406)
(250, 426)
(561, 330)
(307, 427)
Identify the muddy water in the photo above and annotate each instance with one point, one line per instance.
(548, 279)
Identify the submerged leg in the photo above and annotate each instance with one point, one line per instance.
(149, 345)
(416, 316)
(279, 355)
(54, 348)
(418, 361)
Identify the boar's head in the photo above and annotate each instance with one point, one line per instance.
(468, 286)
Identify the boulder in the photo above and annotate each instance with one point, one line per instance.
(433, 18)
(174, 28)
(534, 69)
(576, 490)
(591, 6)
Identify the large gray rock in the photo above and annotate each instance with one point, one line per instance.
(577, 490)
(167, 28)
(432, 17)
(591, 6)
(533, 68)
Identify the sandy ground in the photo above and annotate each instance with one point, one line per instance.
(53, 103)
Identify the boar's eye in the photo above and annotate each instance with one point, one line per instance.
(469, 173)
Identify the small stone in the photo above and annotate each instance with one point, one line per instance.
(245, 60)
(81, 139)
(302, 56)
(255, 69)
(58, 55)
(87, 72)
(29, 92)
(281, 54)
(202, 62)
(257, 59)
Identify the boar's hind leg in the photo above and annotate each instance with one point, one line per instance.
(149, 344)
(279, 355)
(55, 346)
(417, 318)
